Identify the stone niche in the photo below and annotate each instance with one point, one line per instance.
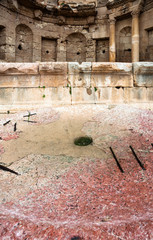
(149, 52)
(2, 42)
(48, 50)
(125, 45)
(102, 50)
(76, 48)
(24, 44)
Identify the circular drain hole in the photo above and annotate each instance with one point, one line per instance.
(83, 141)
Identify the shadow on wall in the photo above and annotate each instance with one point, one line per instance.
(2, 42)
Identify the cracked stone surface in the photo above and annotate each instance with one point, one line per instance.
(70, 192)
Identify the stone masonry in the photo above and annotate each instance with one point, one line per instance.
(28, 85)
(76, 31)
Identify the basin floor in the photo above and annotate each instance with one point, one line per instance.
(68, 192)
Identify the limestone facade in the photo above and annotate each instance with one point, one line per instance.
(31, 85)
(76, 31)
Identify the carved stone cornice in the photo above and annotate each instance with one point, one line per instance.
(117, 3)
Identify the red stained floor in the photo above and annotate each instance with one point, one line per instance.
(93, 200)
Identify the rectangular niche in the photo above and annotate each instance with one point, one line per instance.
(48, 50)
(2, 42)
(150, 46)
(102, 50)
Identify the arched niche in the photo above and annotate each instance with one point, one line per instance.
(76, 48)
(2, 42)
(125, 45)
(24, 44)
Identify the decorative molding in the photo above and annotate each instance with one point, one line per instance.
(117, 3)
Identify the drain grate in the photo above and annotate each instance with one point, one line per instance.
(83, 141)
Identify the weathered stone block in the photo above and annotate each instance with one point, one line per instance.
(149, 94)
(111, 75)
(109, 95)
(135, 95)
(143, 74)
(57, 96)
(83, 95)
(53, 74)
(17, 81)
(34, 96)
(79, 75)
(18, 68)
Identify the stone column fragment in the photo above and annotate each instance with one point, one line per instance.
(112, 47)
(135, 36)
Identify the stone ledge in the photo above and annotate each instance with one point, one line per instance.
(75, 67)
(111, 75)
(143, 74)
(110, 67)
(53, 74)
(54, 68)
(19, 68)
(79, 75)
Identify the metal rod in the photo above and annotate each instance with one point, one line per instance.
(8, 169)
(15, 127)
(29, 121)
(6, 122)
(30, 114)
(136, 157)
(118, 164)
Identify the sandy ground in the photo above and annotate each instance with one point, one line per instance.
(60, 183)
(53, 138)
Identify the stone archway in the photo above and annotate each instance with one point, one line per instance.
(24, 44)
(76, 48)
(125, 45)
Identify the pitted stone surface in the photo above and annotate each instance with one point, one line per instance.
(143, 74)
(111, 75)
(19, 68)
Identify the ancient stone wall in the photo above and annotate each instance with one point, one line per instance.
(76, 48)
(146, 39)
(2, 42)
(31, 85)
(23, 44)
(33, 31)
(102, 50)
(48, 50)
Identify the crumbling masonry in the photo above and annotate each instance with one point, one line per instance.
(83, 31)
